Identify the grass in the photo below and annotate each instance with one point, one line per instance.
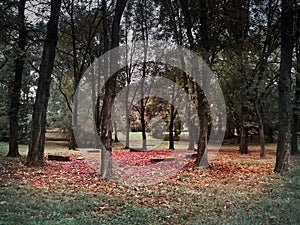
(51, 147)
(242, 198)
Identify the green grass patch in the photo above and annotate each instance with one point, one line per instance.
(23, 149)
(23, 205)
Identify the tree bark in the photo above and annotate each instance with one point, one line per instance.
(116, 131)
(261, 132)
(243, 148)
(171, 125)
(144, 30)
(285, 107)
(109, 95)
(294, 142)
(127, 115)
(72, 143)
(202, 159)
(203, 131)
(35, 155)
(296, 112)
(242, 33)
(17, 83)
(177, 30)
(143, 121)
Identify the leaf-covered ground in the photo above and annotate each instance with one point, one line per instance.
(236, 189)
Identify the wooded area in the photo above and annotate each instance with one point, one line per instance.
(248, 45)
(51, 52)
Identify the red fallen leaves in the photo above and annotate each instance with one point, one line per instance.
(140, 158)
(79, 175)
(55, 176)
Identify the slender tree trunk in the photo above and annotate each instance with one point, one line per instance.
(72, 143)
(294, 141)
(127, 118)
(285, 107)
(177, 30)
(261, 132)
(242, 33)
(202, 159)
(203, 109)
(17, 83)
(35, 155)
(296, 112)
(144, 30)
(109, 95)
(171, 126)
(143, 121)
(106, 129)
(116, 131)
(126, 100)
(244, 131)
(172, 116)
(106, 163)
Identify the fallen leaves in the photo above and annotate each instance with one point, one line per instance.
(226, 168)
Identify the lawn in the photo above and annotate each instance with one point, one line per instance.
(236, 189)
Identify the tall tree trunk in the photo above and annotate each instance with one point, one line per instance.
(126, 100)
(294, 142)
(143, 121)
(144, 30)
(171, 125)
(296, 112)
(261, 131)
(285, 107)
(202, 106)
(177, 30)
(242, 33)
(243, 148)
(35, 155)
(127, 116)
(109, 95)
(72, 142)
(107, 128)
(116, 131)
(17, 83)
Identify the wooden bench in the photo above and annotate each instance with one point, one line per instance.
(59, 158)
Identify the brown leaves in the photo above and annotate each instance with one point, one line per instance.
(140, 158)
(79, 175)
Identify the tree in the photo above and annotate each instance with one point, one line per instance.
(144, 33)
(35, 155)
(296, 110)
(202, 104)
(77, 49)
(283, 151)
(17, 83)
(109, 95)
(240, 32)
